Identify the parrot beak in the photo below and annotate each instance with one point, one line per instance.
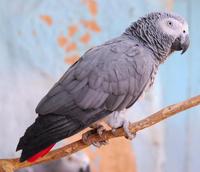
(181, 43)
(185, 44)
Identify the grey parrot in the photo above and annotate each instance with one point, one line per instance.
(104, 82)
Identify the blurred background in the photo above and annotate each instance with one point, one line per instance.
(39, 40)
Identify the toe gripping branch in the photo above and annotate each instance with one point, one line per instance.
(97, 131)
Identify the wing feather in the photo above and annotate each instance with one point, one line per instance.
(110, 77)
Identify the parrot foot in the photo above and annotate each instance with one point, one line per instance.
(128, 134)
(100, 130)
(117, 120)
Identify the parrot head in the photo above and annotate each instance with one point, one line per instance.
(177, 28)
(162, 32)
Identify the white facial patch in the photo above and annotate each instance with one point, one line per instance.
(173, 27)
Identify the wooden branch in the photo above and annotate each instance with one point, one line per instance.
(9, 165)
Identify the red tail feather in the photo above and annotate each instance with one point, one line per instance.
(40, 154)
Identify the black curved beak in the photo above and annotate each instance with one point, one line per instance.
(181, 43)
(185, 44)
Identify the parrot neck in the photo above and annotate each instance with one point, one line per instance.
(158, 43)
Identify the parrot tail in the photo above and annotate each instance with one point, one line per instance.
(40, 154)
(43, 134)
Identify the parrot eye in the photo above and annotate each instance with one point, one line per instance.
(169, 23)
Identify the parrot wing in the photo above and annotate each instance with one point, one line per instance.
(109, 77)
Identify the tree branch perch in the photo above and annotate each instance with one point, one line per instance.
(9, 165)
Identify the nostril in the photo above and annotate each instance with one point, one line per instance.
(184, 31)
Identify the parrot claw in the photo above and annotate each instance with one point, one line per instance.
(101, 143)
(114, 131)
(100, 130)
(128, 134)
(86, 135)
